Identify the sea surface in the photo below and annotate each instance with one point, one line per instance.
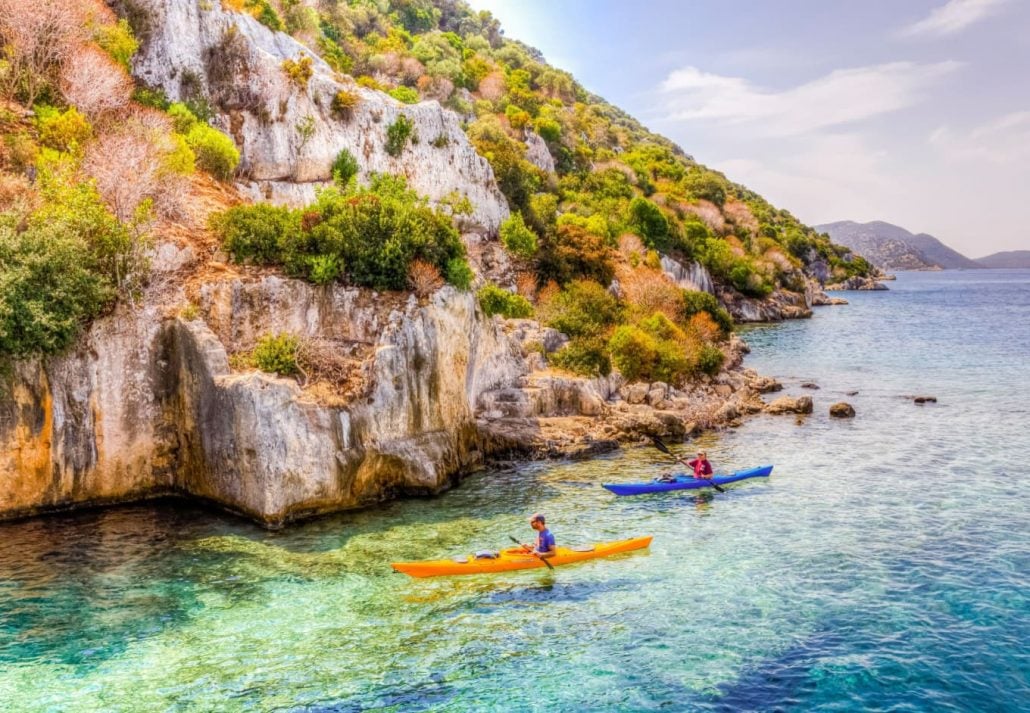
(885, 565)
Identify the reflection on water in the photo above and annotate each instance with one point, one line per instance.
(883, 565)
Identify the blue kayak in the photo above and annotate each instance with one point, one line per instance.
(686, 482)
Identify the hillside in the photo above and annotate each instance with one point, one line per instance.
(296, 256)
(1011, 259)
(891, 247)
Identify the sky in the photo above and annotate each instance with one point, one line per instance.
(916, 112)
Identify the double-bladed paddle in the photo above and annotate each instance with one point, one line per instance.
(542, 559)
(665, 449)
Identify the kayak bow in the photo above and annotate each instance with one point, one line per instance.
(686, 482)
(514, 558)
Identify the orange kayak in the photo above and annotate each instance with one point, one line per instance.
(514, 558)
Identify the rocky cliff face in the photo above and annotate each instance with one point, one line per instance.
(289, 135)
(149, 405)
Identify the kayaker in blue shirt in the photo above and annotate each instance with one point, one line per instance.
(545, 546)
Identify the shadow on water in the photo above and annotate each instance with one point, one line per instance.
(81, 588)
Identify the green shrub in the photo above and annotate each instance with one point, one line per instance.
(183, 119)
(50, 287)
(324, 269)
(154, 98)
(66, 130)
(378, 230)
(345, 167)
(216, 153)
(397, 135)
(549, 129)
(495, 300)
(584, 356)
(696, 301)
(573, 252)
(344, 103)
(118, 41)
(518, 118)
(517, 238)
(277, 354)
(583, 309)
(406, 95)
(647, 220)
(458, 273)
(180, 159)
(634, 352)
(710, 359)
(707, 185)
(257, 233)
(298, 70)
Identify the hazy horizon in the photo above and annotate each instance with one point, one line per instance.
(906, 114)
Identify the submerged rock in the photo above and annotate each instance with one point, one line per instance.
(842, 409)
(789, 404)
(925, 399)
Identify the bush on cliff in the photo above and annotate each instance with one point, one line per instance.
(371, 234)
(695, 302)
(585, 356)
(583, 309)
(50, 287)
(277, 354)
(495, 300)
(517, 237)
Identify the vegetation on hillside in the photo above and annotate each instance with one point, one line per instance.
(87, 164)
(620, 195)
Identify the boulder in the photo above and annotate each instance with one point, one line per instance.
(810, 385)
(765, 384)
(789, 404)
(635, 393)
(842, 409)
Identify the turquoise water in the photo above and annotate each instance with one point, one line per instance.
(883, 566)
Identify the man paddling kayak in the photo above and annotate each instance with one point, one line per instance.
(545, 546)
(701, 466)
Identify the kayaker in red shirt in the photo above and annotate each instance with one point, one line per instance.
(702, 468)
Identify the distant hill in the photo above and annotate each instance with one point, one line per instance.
(1010, 259)
(891, 247)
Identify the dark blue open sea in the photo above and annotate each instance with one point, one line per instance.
(885, 565)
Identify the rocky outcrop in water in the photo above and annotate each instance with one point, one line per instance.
(859, 283)
(842, 409)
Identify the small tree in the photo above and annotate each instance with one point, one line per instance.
(517, 238)
(397, 135)
(345, 167)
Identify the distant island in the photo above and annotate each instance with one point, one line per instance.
(891, 247)
(1010, 259)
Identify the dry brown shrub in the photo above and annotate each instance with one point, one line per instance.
(547, 293)
(708, 212)
(492, 86)
(525, 285)
(651, 291)
(439, 88)
(95, 83)
(16, 194)
(740, 214)
(411, 69)
(128, 166)
(424, 278)
(704, 327)
(777, 258)
(38, 37)
(632, 248)
(325, 361)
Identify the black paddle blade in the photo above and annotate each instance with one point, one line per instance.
(660, 445)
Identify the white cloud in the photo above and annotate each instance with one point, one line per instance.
(823, 177)
(841, 97)
(952, 17)
(1005, 140)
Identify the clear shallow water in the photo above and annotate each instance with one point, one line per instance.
(883, 566)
